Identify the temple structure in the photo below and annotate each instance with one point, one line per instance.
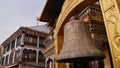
(103, 19)
(23, 49)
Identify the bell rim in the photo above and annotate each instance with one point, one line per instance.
(80, 59)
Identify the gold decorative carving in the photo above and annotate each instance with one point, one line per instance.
(66, 4)
(117, 59)
(116, 40)
(106, 4)
(112, 22)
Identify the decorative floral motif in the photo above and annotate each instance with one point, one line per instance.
(113, 22)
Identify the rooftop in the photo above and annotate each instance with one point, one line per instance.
(41, 28)
(51, 11)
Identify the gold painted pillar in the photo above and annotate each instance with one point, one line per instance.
(58, 47)
(111, 15)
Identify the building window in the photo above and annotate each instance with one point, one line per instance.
(11, 58)
(4, 49)
(13, 44)
(8, 47)
(2, 60)
(29, 55)
(6, 60)
(18, 41)
(30, 40)
(40, 41)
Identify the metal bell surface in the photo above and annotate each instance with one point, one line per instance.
(78, 45)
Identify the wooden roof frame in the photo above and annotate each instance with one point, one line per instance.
(51, 11)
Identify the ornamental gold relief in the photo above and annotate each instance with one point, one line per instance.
(66, 4)
(112, 23)
(110, 10)
(111, 19)
(116, 40)
(106, 4)
(117, 59)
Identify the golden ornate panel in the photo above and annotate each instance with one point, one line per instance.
(112, 23)
(106, 4)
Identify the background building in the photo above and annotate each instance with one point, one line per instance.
(23, 49)
(1, 52)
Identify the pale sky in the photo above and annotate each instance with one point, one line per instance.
(16, 13)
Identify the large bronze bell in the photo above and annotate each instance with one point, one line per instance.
(78, 45)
